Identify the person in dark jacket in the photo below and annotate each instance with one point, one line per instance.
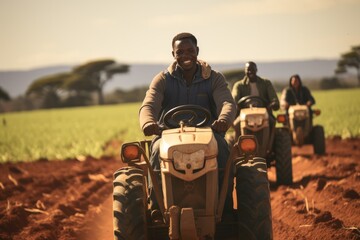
(187, 81)
(296, 93)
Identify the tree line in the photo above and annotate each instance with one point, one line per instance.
(84, 84)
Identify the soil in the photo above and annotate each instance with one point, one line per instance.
(72, 199)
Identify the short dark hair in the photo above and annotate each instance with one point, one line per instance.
(250, 63)
(184, 35)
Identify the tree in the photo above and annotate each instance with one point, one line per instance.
(4, 95)
(48, 87)
(330, 83)
(233, 76)
(77, 84)
(350, 59)
(124, 96)
(49, 83)
(92, 76)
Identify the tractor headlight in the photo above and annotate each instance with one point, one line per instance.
(300, 114)
(192, 161)
(255, 120)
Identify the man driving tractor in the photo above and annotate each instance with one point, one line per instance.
(253, 85)
(187, 81)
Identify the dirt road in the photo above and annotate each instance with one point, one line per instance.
(72, 199)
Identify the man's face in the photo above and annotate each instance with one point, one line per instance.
(185, 53)
(250, 70)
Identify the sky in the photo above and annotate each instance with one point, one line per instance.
(37, 33)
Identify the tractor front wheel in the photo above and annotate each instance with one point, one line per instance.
(253, 200)
(283, 159)
(129, 204)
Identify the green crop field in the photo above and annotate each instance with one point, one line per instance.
(340, 112)
(66, 133)
(79, 132)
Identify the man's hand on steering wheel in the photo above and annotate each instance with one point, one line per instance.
(151, 128)
(220, 125)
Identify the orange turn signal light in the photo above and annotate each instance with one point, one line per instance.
(130, 152)
(248, 145)
(317, 112)
(281, 118)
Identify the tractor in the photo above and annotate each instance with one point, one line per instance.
(191, 196)
(274, 142)
(299, 122)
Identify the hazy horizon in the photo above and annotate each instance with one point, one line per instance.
(55, 65)
(47, 33)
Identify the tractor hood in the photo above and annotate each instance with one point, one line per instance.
(188, 140)
(254, 118)
(248, 112)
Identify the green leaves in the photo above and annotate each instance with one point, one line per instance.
(4, 95)
(50, 83)
(350, 59)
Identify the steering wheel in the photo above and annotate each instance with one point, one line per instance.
(189, 115)
(254, 101)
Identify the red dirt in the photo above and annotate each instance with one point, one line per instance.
(72, 199)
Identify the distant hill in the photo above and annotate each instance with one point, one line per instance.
(16, 82)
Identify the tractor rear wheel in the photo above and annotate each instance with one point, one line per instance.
(129, 204)
(253, 200)
(318, 137)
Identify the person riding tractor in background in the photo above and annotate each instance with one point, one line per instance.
(296, 93)
(253, 85)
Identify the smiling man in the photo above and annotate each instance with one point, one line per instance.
(253, 85)
(187, 81)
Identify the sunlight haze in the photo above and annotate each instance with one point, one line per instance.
(40, 33)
